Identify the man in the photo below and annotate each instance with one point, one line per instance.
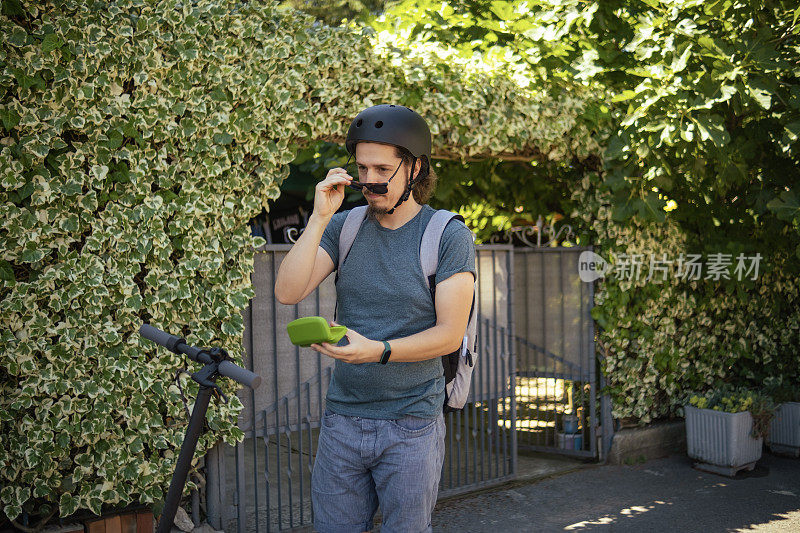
(381, 439)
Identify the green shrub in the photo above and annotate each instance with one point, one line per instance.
(138, 138)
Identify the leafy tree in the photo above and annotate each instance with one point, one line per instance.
(698, 102)
(696, 105)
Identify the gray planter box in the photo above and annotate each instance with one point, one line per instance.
(721, 442)
(784, 432)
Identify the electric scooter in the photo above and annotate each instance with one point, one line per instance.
(217, 364)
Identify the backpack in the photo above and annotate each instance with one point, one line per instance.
(457, 366)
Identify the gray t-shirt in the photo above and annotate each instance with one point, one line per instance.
(382, 295)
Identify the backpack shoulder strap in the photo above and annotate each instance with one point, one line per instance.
(429, 257)
(349, 231)
(352, 223)
(429, 246)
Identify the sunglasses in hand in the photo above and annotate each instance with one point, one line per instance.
(375, 188)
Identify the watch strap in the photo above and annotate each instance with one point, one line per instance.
(387, 351)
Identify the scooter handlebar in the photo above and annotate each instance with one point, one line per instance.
(163, 338)
(225, 368)
(239, 374)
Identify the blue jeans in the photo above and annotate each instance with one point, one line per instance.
(363, 461)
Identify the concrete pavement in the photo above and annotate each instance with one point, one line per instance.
(662, 495)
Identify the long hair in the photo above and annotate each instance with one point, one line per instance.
(426, 182)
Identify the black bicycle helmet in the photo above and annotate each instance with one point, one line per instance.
(392, 124)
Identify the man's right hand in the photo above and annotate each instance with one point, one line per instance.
(329, 193)
(307, 263)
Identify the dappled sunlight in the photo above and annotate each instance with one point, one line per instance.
(527, 424)
(778, 524)
(529, 389)
(541, 405)
(628, 512)
(541, 390)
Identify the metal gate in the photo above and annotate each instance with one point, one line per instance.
(263, 483)
(554, 342)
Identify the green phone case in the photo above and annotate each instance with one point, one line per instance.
(314, 330)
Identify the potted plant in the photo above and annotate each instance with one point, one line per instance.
(725, 429)
(784, 432)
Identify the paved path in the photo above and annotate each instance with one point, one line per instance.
(663, 495)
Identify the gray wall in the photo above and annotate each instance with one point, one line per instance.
(551, 308)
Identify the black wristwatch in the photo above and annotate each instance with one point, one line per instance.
(387, 351)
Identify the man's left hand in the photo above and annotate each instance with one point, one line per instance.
(359, 350)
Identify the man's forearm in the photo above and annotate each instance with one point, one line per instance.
(433, 342)
(295, 270)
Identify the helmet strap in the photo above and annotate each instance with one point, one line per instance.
(409, 186)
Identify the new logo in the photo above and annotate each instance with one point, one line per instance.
(591, 266)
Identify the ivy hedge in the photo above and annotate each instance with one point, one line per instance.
(138, 138)
(661, 338)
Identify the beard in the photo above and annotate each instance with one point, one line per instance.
(376, 211)
(380, 211)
